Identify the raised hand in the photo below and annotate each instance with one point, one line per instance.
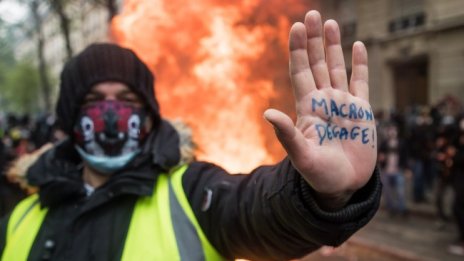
(333, 144)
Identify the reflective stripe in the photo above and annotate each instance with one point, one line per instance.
(188, 242)
(18, 222)
(209, 251)
(24, 224)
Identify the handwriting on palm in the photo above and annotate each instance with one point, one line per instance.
(333, 144)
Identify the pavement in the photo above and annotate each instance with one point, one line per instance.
(416, 237)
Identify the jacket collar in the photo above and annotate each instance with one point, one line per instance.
(58, 172)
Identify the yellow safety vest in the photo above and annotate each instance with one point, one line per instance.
(162, 227)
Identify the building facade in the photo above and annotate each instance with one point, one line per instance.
(416, 55)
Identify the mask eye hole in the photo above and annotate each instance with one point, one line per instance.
(87, 125)
(134, 122)
(134, 126)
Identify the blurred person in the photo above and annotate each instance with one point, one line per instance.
(392, 163)
(418, 153)
(381, 121)
(11, 120)
(443, 156)
(2, 127)
(3, 155)
(10, 194)
(436, 115)
(458, 186)
(19, 135)
(43, 129)
(116, 188)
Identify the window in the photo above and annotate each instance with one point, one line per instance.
(406, 14)
(346, 16)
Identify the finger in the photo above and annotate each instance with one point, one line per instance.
(316, 53)
(359, 84)
(291, 138)
(335, 60)
(300, 72)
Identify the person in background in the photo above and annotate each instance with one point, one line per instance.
(10, 193)
(3, 155)
(444, 153)
(458, 185)
(418, 152)
(42, 131)
(117, 189)
(393, 162)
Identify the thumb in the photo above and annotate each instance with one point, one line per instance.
(282, 124)
(291, 138)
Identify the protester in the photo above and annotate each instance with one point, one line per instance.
(418, 154)
(115, 189)
(443, 156)
(22, 140)
(393, 163)
(42, 132)
(3, 155)
(10, 193)
(458, 186)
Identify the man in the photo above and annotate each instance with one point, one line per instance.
(115, 189)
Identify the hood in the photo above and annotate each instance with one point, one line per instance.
(99, 63)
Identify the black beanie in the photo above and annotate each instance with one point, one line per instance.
(99, 63)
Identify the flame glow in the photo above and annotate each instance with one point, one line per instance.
(219, 64)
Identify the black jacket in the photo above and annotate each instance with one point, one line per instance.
(269, 214)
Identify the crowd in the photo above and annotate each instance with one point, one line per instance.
(19, 136)
(425, 146)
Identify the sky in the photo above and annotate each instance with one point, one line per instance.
(11, 11)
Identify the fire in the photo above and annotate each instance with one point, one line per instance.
(219, 64)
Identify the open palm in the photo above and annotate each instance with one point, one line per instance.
(333, 143)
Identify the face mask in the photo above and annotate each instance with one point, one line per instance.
(108, 134)
(106, 165)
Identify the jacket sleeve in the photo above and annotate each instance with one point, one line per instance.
(271, 213)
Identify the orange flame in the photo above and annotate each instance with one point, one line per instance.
(219, 64)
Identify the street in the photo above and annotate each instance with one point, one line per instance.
(413, 238)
